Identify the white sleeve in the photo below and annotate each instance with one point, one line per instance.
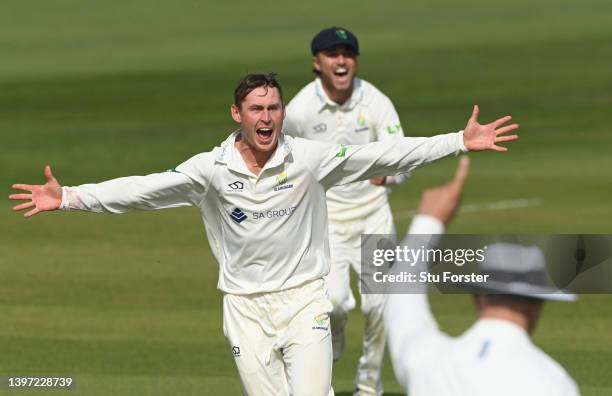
(291, 124)
(175, 188)
(335, 165)
(388, 127)
(412, 330)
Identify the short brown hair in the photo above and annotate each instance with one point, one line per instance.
(255, 80)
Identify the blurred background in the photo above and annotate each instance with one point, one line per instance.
(128, 304)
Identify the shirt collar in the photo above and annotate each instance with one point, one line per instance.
(231, 157)
(325, 101)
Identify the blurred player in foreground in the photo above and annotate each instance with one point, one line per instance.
(496, 355)
(341, 108)
(262, 199)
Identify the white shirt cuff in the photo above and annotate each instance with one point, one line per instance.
(461, 144)
(426, 224)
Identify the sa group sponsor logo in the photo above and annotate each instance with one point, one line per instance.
(274, 213)
(238, 215)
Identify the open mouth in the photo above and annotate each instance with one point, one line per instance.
(264, 133)
(341, 71)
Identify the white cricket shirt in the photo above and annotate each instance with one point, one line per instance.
(367, 116)
(268, 232)
(493, 357)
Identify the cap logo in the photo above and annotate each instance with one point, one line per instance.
(341, 33)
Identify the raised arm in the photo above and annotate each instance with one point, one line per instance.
(412, 331)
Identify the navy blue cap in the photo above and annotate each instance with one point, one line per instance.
(333, 37)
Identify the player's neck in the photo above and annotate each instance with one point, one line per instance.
(339, 96)
(518, 318)
(255, 160)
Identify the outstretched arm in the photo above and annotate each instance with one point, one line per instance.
(169, 189)
(40, 198)
(336, 165)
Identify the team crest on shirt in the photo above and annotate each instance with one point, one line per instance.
(281, 182)
(361, 122)
(321, 322)
(235, 351)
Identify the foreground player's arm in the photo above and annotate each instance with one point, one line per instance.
(155, 191)
(412, 331)
(337, 165)
(387, 126)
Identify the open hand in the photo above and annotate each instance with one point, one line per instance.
(41, 197)
(477, 137)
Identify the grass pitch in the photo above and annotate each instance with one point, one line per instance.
(128, 304)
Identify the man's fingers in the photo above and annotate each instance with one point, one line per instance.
(475, 112)
(462, 172)
(508, 138)
(31, 213)
(26, 187)
(20, 196)
(48, 173)
(505, 129)
(500, 149)
(23, 206)
(501, 121)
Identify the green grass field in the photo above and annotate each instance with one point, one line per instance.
(128, 304)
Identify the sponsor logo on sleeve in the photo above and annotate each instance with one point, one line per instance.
(342, 152)
(235, 351)
(393, 129)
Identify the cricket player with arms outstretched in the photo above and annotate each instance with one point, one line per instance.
(341, 108)
(262, 199)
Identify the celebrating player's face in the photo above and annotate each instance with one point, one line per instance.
(261, 118)
(337, 66)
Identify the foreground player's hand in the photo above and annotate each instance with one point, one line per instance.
(41, 197)
(442, 202)
(378, 180)
(477, 137)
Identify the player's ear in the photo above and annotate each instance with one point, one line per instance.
(315, 63)
(236, 114)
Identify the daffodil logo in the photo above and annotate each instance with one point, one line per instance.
(320, 319)
(281, 179)
(361, 120)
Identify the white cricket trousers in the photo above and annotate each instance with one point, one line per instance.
(281, 341)
(345, 249)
